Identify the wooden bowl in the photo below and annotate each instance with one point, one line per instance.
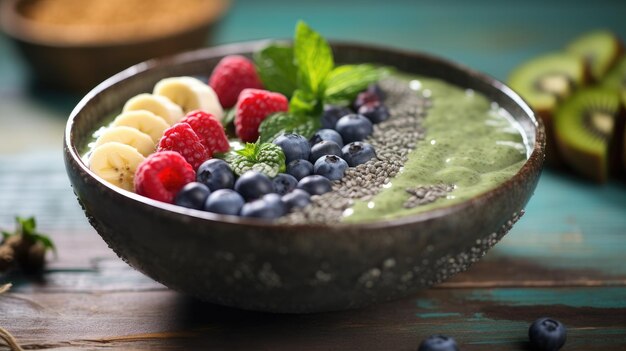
(250, 264)
(76, 57)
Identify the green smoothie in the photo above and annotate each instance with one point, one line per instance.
(470, 144)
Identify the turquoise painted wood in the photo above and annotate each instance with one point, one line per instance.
(564, 258)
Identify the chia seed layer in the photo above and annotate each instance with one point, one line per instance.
(392, 139)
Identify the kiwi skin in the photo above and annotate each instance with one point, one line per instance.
(590, 152)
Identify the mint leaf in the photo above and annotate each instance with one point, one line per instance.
(280, 123)
(344, 82)
(266, 158)
(304, 103)
(314, 58)
(277, 69)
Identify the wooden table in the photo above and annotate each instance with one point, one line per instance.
(564, 259)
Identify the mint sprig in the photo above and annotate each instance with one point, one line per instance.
(283, 122)
(266, 158)
(26, 228)
(306, 72)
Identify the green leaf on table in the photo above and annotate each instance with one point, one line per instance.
(344, 82)
(280, 123)
(313, 57)
(276, 67)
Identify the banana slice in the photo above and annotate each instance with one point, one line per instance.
(129, 136)
(116, 163)
(144, 121)
(157, 104)
(190, 94)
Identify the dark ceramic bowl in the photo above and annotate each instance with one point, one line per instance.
(261, 266)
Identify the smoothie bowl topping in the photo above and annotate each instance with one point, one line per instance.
(293, 137)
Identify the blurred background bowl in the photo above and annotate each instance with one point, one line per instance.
(74, 45)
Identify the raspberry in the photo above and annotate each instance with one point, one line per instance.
(182, 139)
(232, 75)
(209, 130)
(253, 106)
(161, 175)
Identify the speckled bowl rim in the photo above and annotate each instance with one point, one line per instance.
(534, 160)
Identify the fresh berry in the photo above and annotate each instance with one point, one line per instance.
(315, 184)
(363, 98)
(330, 166)
(547, 334)
(209, 130)
(438, 343)
(161, 176)
(216, 174)
(252, 185)
(224, 201)
(357, 152)
(323, 148)
(327, 134)
(375, 112)
(376, 90)
(294, 146)
(181, 138)
(298, 198)
(284, 183)
(192, 195)
(354, 127)
(266, 208)
(331, 115)
(253, 106)
(232, 75)
(300, 168)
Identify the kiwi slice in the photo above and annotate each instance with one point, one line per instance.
(543, 82)
(616, 78)
(600, 49)
(584, 127)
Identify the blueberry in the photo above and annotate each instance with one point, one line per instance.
(294, 146)
(300, 168)
(357, 152)
(547, 334)
(252, 185)
(331, 115)
(376, 90)
(323, 148)
(284, 183)
(192, 195)
(354, 127)
(216, 174)
(363, 98)
(267, 208)
(438, 343)
(224, 201)
(375, 112)
(298, 198)
(315, 184)
(330, 166)
(326, 134)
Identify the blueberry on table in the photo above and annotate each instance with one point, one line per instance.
(315, 184)
(363, 98)
(375, 112)
(300, 168)
(331, 115)
(294, 146)
(252, 185)
(265, 207)
(224, 201)
(357, 153)
(438, 343)
(327, 134)
(547, 334)
(330, 166)
(323, 148)
(216, 174)
(354, 127)
(298, 198)
(192, 195)
(284, 183)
